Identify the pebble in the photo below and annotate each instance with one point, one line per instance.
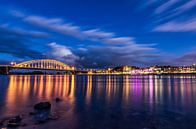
(57, 99)
(14, 121)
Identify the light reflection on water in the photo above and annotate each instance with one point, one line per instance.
(85, 96)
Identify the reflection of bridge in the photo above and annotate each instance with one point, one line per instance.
(42, 64)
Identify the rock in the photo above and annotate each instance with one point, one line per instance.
(57, 99)
(42, 111)
(23, 124)
(1, 122)
(53, 117)
(31, 113)
(14, 121)
(42, 106)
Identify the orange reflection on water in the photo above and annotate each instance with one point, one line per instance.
(22, 87)
(18, 89)
(72, 91)
(11, 93)
(126, 89)
(89, 89)
(108, 88)
(151, 90)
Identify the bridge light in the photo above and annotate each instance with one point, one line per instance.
(13, 63)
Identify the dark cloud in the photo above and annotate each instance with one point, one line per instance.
(15, 44)
(186, 59)
(102, 56)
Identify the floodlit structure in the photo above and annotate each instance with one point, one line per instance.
(44, 64)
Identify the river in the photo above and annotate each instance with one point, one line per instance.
(103, 101)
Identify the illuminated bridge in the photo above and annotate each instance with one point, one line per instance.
(42, 64)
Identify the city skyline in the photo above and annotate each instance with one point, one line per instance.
(99, 34)
(51, 66)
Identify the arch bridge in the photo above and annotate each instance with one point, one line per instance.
(46, 64)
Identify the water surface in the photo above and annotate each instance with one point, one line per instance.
(104, 102)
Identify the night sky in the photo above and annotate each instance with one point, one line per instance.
(99, 33)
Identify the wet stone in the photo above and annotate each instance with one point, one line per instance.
(14, 121)
(57, 99)
(53, 116)
(42, 106)
(42, 111)
(31, 113)
(1, 123)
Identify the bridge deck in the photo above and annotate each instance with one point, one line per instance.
(5, 69)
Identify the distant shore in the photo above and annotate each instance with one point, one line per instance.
(100, 74)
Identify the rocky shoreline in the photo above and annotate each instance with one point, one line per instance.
(41, 113)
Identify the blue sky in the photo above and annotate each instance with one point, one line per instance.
(99, 33)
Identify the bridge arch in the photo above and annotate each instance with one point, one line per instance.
(44, 64)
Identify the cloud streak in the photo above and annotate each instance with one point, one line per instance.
(120, 40)
(187, 6)
(165, 6)
(58, 25)
(175, 26)
(110, 49)
(171, 15)
(22, 32)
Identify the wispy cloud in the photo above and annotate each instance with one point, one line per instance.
(165, 6)
(58, 25)
(54, 24)
(23, 32)
(17, 13)
(173, 10)
(120, 40)
(177, 26)
(187, 6)
(96, 33)
(178, 7)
